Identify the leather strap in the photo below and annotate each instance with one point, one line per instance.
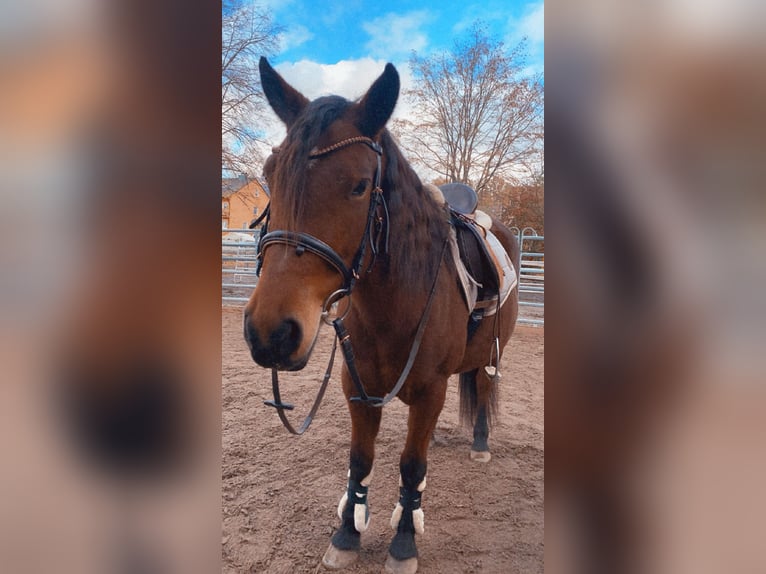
(348, 353)
(372, 233)
(305, 242)
(374, 227)
(264, 214)
(282, 407)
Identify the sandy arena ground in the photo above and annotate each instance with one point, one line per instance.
(280, 492)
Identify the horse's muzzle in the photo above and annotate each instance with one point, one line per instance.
(276, 350)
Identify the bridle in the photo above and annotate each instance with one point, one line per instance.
(375, 232)
(376, 235)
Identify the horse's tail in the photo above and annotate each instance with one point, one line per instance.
(477, 390)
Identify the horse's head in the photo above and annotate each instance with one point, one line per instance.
(321, 197)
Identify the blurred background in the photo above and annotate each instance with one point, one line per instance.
(655, 322)
(109, 295)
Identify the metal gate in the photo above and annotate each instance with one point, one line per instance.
(531, 266)
(238, 258)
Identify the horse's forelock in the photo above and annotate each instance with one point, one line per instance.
(293, 163)
(417, 222)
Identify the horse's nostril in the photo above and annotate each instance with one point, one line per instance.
(286, 339)
(250, 335)
(295, 330)
(276, 349)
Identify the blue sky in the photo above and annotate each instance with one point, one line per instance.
(340, 47)
(329, 32)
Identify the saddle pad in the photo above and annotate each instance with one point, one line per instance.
(468, 283)
(506, 271)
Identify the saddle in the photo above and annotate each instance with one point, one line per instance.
(464, 200)
(485, 269)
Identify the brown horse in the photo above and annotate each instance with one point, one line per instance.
(329, 178)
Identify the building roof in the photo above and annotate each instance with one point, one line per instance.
(231, 185)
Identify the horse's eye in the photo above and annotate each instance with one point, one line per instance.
(361, 187)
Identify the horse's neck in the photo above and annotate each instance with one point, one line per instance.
(397, 288)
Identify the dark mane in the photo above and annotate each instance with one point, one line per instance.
(301, 139)
(418, 226)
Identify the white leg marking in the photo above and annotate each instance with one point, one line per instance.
(342, 505)
(361, 517)
(361, 513)
(418, 519)
(396, 516)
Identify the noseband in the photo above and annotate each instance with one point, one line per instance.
(375, 232)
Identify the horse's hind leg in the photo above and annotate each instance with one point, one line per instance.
(480, 447)
(353, 509)
(478, 402)
(408, 517)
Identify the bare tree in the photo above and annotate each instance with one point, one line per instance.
(521, 205)
(478, 117)
(248, 32)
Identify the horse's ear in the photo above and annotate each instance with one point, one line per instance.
(286, 101)
(378, 103)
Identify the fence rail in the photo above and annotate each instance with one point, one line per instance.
(531, 266)
(238, 257)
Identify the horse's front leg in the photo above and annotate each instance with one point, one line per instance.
(353, 508)
(408, 518)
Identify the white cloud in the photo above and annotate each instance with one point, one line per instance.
(531, 25)
(396, 35)
(348, 78)
(294, 36)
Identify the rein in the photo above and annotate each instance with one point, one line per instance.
(348, 353)
(376, 230)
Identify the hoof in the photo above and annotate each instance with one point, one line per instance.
(481, 456)
(394, 566)
(335, 559)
